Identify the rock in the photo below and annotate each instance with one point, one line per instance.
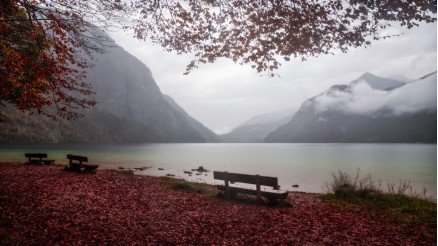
(198, 173)
(170, 175)
(188, 172)
(143, 168)
(201, 169)
(160, 168)
(295, 186)
(121, 168)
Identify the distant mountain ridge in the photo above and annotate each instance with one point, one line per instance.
(206, 133)
(377, 82)
(130, 108)
(255, 129)
(369, 109)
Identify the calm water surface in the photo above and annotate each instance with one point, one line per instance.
(308, 165)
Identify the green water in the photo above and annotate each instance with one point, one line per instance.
(308, 165)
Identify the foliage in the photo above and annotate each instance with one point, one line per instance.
(43, 43)
(122, 171)
(344, 185)
(187, 186)
(261, 32)
(43, 54)
(284, 203)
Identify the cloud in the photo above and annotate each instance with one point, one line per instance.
(222, 95)
(361, 98)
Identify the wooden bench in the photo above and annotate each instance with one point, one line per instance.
(250, 179)
(37, 158)
(76, 163)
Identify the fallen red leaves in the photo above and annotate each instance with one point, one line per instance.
(46, 205)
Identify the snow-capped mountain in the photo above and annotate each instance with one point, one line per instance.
(369, 109)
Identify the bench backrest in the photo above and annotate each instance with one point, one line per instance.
(35, 155)
(246, 178)
(77, 158)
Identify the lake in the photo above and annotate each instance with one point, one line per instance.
(308, 165)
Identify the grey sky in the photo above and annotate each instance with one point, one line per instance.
(222, 95)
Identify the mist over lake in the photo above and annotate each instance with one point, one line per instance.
(308, 165)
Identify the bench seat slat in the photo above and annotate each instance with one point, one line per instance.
(267, 194)
(77, 158)
(246, 178)
(42, 161)
(35, 155)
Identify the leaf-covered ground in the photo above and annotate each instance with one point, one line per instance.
(46, 205)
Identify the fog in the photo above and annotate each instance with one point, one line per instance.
(413, 97)
(223, 95)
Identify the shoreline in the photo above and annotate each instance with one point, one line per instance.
(46, 205)
(309, 166)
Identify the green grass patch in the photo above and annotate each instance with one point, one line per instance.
(187, 186)
(406, 209)
(399, 202)
(122, 171)
(283, 204)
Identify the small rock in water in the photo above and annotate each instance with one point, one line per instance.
(121, 168)
(160, 168)
(170, 175)
(198, 173)
(295, 186)
(201, 169)
(143, 168)
(188, 172)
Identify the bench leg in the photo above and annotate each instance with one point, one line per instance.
(259, 193)
(227, 189)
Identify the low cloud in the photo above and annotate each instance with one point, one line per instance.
(413, 97)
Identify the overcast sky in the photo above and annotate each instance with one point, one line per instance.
(222, 95)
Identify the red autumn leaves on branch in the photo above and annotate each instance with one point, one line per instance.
(44, 49)
(261, 33)
(44, 44)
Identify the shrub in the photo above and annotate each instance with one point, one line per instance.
(345, 186)
(183, 185)
(400, 201)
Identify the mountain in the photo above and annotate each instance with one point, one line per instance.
(206, 133)
(377, 82)
(130, 108)
(369, 109)
(255, 129)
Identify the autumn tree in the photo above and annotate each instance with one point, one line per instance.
(42, 42)
(43, 53)
(262, 32)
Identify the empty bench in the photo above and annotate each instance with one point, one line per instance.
(76, 163)
(37, 158)
(250, 179)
